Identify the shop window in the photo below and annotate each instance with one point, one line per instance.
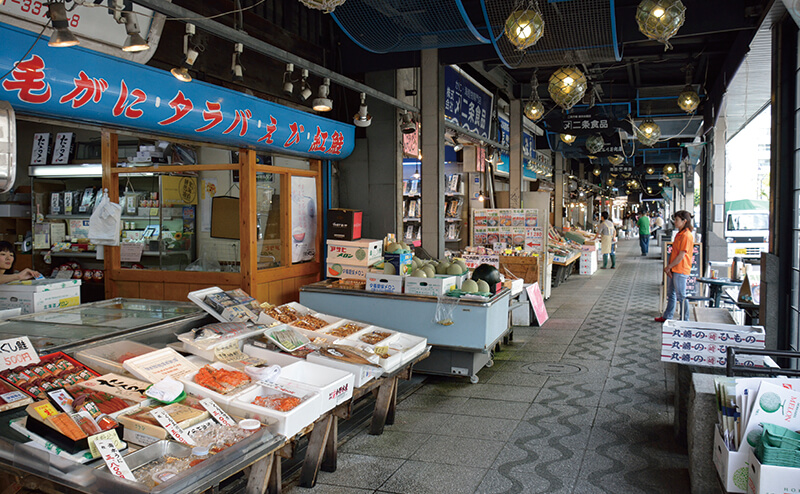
(268, 219)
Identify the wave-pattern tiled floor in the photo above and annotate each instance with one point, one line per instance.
(581, 405)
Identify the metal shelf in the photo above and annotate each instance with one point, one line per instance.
(68, 216)
(92, 255)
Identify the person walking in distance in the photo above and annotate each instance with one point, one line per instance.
(658, 224)
(679, 266)
(644, 233)
(608, 236)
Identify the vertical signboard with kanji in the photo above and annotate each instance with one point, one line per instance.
(466, 103)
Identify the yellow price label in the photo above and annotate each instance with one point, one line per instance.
(740, 251)
(382, 350)
(46, 410)
(108, 436)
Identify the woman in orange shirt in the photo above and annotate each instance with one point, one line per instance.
(679, 266)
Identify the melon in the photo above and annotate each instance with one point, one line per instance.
(388, 268)
(462, 264)
(442, 268)
(429, 270)
(393, 247)
(483, 287)
(419, 273)
(404, 246)
(454, 270)
(469, 286)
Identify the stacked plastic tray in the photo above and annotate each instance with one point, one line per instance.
(779, 446)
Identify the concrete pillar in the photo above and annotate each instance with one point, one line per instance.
(432, 169)
(515, 154)
(558, 178)
(717, 247)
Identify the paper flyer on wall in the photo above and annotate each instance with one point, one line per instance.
(512, 227)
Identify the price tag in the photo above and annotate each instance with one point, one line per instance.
(216, 412)
(131, 251)
(171, 426)
(382, 350)
(13, 396)
(197, 428)
(229, 352)
(17, 351)
(114, 460)
(104, 436)
(46, 411)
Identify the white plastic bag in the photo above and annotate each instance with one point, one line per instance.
(104, 224)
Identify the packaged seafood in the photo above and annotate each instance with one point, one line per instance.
(290, 405)
(110, 357)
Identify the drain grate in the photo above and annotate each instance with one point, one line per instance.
(554, 368)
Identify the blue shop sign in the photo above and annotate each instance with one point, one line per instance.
(466, 104)
(82, 85)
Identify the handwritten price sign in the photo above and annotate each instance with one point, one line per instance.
(17, 351)
(171, 426)
(114, 460)
(216, 412)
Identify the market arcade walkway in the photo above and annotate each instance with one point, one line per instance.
(581, 405)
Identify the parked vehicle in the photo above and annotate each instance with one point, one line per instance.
(747, 228)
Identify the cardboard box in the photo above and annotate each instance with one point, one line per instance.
(401, 263)
(385, 283)
(436, 286)
(731, 465)
(364, 252)
(769, 479)
(344, 224)
(347, 271)
(38, 295)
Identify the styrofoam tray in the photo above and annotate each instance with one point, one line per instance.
(287, 423)
(411, 346)
(272, 358)
(208, 353)
(199, 297)
(362, 373)
(105, 358)
(334, 386)
(331, 320)
(282, 327)
(155, 366)
(356, 337)
(223, 400)
(301, 309)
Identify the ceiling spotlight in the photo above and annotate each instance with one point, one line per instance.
(236, 63)
(648, 132)
(567, 86)
(62, 37)
(567, 138)
(650, 170)
(134, 42)
(322, 102)
(305, 89)
(407, 126)
(595, 143)
(191, 50)
(660, 19)
(458, 145)
(597, 171)
(525, 25)
(362, 118)
(288, 85)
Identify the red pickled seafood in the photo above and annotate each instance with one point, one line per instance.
(220, 380)
(279, 403)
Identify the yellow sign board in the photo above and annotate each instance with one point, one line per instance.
(178, 190)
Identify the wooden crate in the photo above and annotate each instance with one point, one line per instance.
(526, 268)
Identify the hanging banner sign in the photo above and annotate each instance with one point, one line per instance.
(466, 103)
(585, 123)
(78, 84)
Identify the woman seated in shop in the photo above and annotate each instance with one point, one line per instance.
(7, 273)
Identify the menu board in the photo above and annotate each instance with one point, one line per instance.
(512, 227)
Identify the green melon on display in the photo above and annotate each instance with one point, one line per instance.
(388, 268)
(429, 270)
(483, 287)
(462, 264)
(404, 246)
(469, 286)
(454, 270)
(419, 273)
(442, 268)
(393, 247)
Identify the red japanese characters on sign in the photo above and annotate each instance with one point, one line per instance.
(86, 88)
(271, 128)
(212, 115)
(295, 137)
(122, 104)
(182, 106)
(28, 80)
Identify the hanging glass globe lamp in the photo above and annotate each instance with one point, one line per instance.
(688, 100)
(660, 19)
(595, 143)
(567, 86)
(567, 138)
(524, 26)
(648, 132)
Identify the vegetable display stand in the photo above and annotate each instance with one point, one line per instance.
(461, 348)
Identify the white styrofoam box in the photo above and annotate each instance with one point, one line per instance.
(325, 333)
(330, 320)
(209, 352)
(771, 479)
(385, 283)
(223, 400)
(15, 210)
(514, 285)
(334, 386)
(707, 332)
(587, 271)
(364, 252)
(521, 316)
(346, 271)
(363, 373)
(287, 424)
(155, 366)
(271, 357)
(438, 285)
(731, 465)
(105, 358)
(38, 295)
(355, 338)
(412, 346)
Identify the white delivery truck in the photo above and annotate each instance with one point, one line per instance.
(747, 228)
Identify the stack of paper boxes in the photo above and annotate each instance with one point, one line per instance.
(706, 344)
(588, 262)
(352, 259)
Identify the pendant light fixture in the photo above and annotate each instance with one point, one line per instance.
(534, 109)
(610, 181)
(669, 169)
(648, 132)
(191, 51)
(322, 102)
(525, 25)
(689, 100)
(615, 159)
(567, 138)
(650, 170)
(660, 19)
(595, 143)
(362, 118)
(597, 171)
(326, 6)
(416, 174)
(62, 37)
(134, 42)
(567, 86)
